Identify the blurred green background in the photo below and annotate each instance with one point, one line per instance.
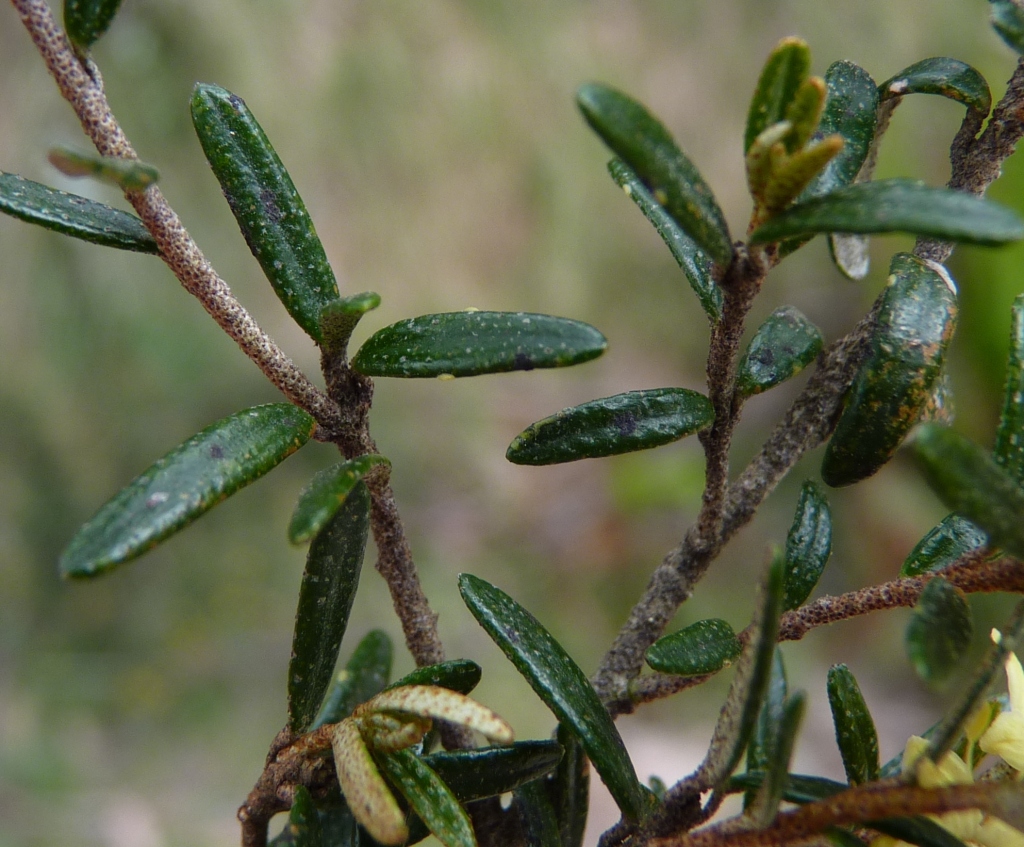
(438, 149)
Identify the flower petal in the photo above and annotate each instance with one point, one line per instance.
(1005, 738)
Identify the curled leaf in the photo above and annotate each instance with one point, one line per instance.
(943, 76)
(431, 701)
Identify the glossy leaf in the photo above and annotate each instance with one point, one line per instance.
(704, 647)
(896, 205)
(72, 215)
(855, 730)
(786, 69)
(951, 539)
(365, 675)
(86, 20)
(537, 816)
(429, 797)
(329, 585)
(906, 352)
(490, 771)
(766, 802)
(1008, 21)
(643, 143)
(186, 483)
(459, 675)
(472, 343)
(693, 261)
(340, 317)
(269, 211)
(782, 347)
(808, 545)
(946, 77)
(762, 739)
(970, 482)
(304, 821)
(127, 174)
(1009, 447)
(560, 683)
(625, 423)
(326, 493)
(939, 632)
(569, 788)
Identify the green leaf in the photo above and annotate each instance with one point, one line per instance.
(799, 788)
(1009, 447)
(704, 647)
(569, 788)
(365, 674)
(329, 585)
(808, 545)
(304, 820)
(640, 140)
(790, 177)
(560, 683)
(186, 483)
(1008, 21)
(782, 347)
(72, 215)
(269, 211)
(939, 632)
(762, 739)
(917, 830)
(429, 797)
(87, 20)
(855, 730)
(786, 69)
(896, 205)
(946, 77)
(951, 538)
(326, 493)
(339, 318)
(693, 261)
(625, 423)
(472, 343)
(539, 820)
(970, 482)
(907, 348)
(126, 174)
(766, 802)
(459, 675)
(804, 113)
(490, 771)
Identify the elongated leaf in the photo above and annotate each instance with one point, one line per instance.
(896, 205)
(326, 493)
(799, 788)
(365, 790)
(946, 77)
(693, 261)
(762, 739)
(855, 730)
(87, 20)
(625, 423)
(643, 143)
(1008, 21)
(336, 825)
(808, 545)
(72, 215)
(782, 347)
(701, 648)
(490, 771)
(804, 113)
(569, 788)
(951, 538)
(325, 599)
(269, 211)
(769, 796)
(970, 482)
(188, 481)
(538, 817)
(127, 174)
(473, 343)
(784, 71)
(365, 675)
(429, 797)
(459, 675)
(939, 631)
(340, 317)
(1009, 447)
(560, 683)
(917, 830)
(304, 821)
(913, 329)
(791, 177)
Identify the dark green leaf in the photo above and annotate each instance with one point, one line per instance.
(365, 675)
(569, 788)
(490, 771)
(87, 20)
(126, 174)
(72, 215)
(970, 482)
(766, 801)
(782, 347)
(917, 830)
(952, 538)
(915, 323)
(896, 205)
(459, 675)
(762, 739)
(266, 205)
(329, 585)
(304, 820)
(326, 493)
(560, 683)
(625, 423)
(429, 797)
(1009, 447)
(184, 484)
(940, 630)
(701, 648)
(694, 262)
(946, 77)
(640, 140)
(808, 545)
(339, 318)
(799, 789)
(540, 823)
(787, 67)
(472, 343)
(1008, 21)
(855, 730)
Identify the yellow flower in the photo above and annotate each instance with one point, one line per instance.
(1005, 738)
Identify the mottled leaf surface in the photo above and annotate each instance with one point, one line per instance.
(86, 20)
(701, 648)
(951, 538)
(325, 494)
(945, 77)
(855, 729)
(939, 632)
(808, 545)
(782, 347)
